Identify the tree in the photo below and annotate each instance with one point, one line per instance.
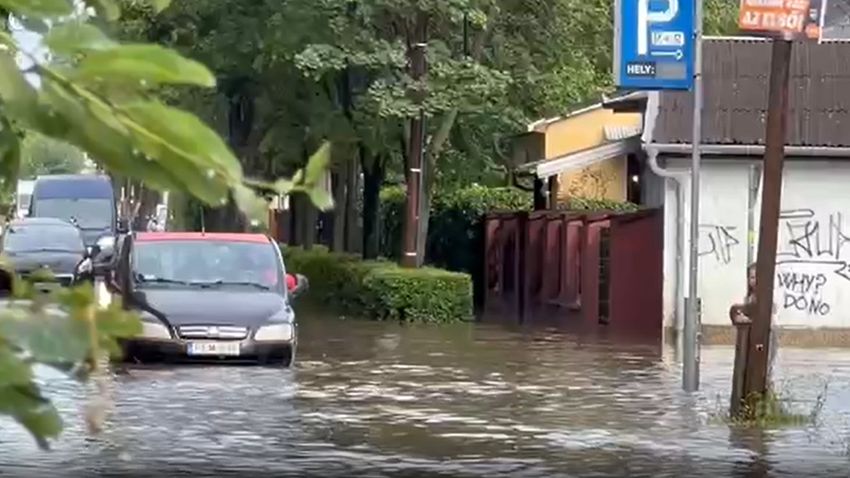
(378, 39)
(43, 155)
(101, 97)
(295, 71)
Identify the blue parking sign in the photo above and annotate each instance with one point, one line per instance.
(654, 44)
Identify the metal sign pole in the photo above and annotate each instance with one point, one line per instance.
(690, 374)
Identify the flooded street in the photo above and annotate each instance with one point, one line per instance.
(380, 399)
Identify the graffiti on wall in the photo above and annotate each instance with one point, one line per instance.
(718, 242)
(813, 241)
(803, 292)
(813, 252)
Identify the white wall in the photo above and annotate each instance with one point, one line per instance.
(813, 281)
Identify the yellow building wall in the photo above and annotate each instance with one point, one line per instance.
(583, 130)
(605, 180)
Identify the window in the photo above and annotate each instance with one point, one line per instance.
(162, 263)
(41, 238)
(94, 213)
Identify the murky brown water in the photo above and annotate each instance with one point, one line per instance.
(379, 399)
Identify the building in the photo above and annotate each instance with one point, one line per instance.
(591, 152)
(813, 276)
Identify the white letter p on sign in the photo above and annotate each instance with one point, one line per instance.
(645, 17)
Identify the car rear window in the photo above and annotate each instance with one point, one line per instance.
(37, 238)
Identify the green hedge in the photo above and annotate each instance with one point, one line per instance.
(454, 230)
(381, 289)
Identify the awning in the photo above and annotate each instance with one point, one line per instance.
(581, 159)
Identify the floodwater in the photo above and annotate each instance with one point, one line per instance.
(382, 399)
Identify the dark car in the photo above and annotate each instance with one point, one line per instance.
(206, 296)
(44, 244)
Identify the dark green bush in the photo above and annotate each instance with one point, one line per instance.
(381, 289)
(454, 226)
(455, 231)
(333, 277)
(418, 295)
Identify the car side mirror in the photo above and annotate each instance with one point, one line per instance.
(302, 285)
(92, 251)
(122, 226)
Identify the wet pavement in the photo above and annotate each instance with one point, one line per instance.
(381, 399)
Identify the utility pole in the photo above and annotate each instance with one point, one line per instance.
(416, 149)
(690, 361)
(755, 382)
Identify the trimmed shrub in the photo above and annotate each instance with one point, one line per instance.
(380, 289)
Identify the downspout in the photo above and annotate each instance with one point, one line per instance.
(678, 177)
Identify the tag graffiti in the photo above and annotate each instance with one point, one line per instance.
(802, 292)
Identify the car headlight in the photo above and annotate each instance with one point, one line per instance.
(275, 333)
(152, 328)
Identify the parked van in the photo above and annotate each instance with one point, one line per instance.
(85, 200)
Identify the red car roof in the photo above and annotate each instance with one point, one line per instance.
(201, 236)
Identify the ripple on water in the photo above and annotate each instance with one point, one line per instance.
(379, 399)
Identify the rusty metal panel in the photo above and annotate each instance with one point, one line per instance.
(636, 286)
(736, 96)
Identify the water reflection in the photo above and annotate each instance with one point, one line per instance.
(382, 399)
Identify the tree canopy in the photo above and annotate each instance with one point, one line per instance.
(43, 155)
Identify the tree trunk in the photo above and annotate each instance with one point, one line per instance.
(373, 179)
(429, 168)
(352, 191)
(338, 185)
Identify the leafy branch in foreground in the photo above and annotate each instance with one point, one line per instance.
(101, 97)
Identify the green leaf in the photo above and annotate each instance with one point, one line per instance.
(146, 64)
(10, 157)
(72, 38)
(96, 130)
(160, 5)
(107, 9)
(28, 407)
(317, 165)
(115, 323)
(187, 136)
(250, 203)
(321, 199)
(50, 336)
(38, 8)
(13, 370)
(17, 94)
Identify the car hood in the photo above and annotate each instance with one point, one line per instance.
(213, 307)
(58, 262)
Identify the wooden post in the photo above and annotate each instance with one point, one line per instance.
(742, 343)
(774, 155)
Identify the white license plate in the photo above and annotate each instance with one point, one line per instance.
(213, 348)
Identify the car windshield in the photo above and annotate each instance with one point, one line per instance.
(95, 213)
(226, 264)
(42, 238)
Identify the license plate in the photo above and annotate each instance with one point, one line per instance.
(213, 348)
